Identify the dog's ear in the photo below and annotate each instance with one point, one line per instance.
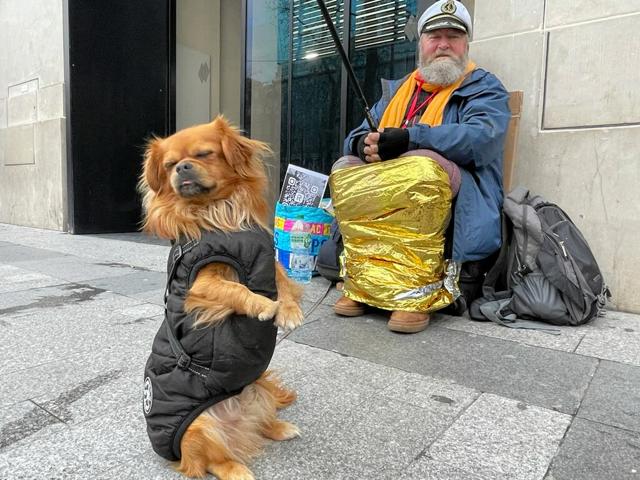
(241, 152)
(153, 173)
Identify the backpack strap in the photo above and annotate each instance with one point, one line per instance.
(526, 227)
(497, 271)
(498, 312)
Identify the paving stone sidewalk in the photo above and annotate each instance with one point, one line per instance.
(460, 401)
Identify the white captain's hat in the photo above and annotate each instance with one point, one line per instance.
(445, 14)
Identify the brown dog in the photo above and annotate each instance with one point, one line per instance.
(205, 186)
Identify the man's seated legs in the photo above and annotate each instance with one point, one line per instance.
(400, 321)
(347, 161)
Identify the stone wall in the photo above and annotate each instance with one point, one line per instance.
(32, 119)
(578, 63)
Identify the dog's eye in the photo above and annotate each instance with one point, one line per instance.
(203, 154)
(169, 165)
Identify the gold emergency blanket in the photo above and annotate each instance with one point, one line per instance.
(393, 216)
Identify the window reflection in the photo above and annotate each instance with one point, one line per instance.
(293, 84)
(381, 46)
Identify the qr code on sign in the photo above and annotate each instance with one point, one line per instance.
(302, 187)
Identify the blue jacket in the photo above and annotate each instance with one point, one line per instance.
(472, 135)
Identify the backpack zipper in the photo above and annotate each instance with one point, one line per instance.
(561, 242)
(558, 242)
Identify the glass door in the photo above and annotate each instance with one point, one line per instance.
(315, 136)
(265, 112)
(292, 81)
(295, 94)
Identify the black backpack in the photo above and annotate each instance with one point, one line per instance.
(545, 270)
(328, 261)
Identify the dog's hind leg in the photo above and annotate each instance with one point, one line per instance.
(280, 430)
(280, 397)
(200, 447)
(204, 451)
(231, 470)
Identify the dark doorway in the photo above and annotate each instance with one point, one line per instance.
(120, 89)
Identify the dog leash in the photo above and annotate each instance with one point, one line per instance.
(310, 311)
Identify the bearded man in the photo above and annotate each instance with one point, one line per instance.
(457, 114)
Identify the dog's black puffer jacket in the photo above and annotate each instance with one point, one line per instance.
(190, 369)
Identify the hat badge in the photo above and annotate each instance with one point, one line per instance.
(448, 7)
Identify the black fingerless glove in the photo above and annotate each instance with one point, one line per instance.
(360, 146)
(393, 143)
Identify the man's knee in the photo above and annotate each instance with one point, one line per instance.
(346, 161)
(453, 171)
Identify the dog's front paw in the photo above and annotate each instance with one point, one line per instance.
(267, 309)
(289, 316)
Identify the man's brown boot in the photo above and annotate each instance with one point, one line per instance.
(348, 308)
(408, 322)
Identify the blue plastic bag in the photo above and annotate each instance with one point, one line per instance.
(317, 220)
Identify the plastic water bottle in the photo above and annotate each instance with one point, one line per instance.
(300, 258)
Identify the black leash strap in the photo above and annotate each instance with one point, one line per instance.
(309, 312)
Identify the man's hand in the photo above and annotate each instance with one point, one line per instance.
(368, 147)
(383, 145)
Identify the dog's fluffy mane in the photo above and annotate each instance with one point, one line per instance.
(170, 216)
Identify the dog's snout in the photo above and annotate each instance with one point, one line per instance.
(183, 167)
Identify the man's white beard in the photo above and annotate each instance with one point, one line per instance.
(443, 71)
